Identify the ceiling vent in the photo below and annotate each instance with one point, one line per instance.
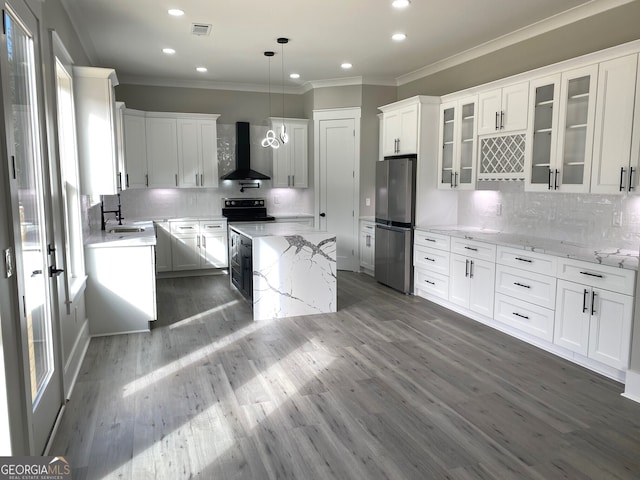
(201, 29)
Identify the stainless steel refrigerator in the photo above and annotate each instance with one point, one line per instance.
(395, 213)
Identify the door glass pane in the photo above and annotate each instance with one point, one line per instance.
(542, 132)
(25, 142)
(447, 146)
(466, 143)
(575, 134)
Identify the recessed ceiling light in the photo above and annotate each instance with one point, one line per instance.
(168, 51)
(400, 3)
(398, 37)
(176, 12)
(295, 76)
(201, 69)
(346, 65)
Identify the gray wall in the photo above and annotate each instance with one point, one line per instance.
(232, 106)
(607, 29)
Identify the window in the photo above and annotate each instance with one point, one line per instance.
(67, 146)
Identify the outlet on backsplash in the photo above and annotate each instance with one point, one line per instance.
(617, 219)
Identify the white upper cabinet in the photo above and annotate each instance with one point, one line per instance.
(503, 109)
(615, 169)
(197, 152)
(162, 151)
(135, 149)
(122, 167)
(560, 134)
(291, 160)
(97, 129)
(400, 130)
(458, 142)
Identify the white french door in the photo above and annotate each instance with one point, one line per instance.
(22, 94)
(337, 143)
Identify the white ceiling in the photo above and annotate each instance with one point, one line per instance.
(128, 35)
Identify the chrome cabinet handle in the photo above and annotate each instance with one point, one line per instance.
(501, 119)
(455, 183)
(584, 300)
(470, 268)
(621, 177)
(496, 123)
(555, 180)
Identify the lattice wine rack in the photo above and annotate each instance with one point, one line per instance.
(502, 158)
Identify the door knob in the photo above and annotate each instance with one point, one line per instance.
(323, 214)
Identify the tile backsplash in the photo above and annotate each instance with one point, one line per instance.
(584, 219)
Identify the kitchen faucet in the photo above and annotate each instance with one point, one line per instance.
(118, 212)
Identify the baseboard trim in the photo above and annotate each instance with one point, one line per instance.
(74, 363)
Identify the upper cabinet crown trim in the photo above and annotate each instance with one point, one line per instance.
(420, 99)
(97, 72)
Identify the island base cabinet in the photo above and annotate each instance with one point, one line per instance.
(163, 247)
(121, 289)
(472, 284)
(593, 322)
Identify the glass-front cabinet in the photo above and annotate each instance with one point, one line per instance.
(561, 131)
(456, 160)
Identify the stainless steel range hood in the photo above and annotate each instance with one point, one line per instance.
(243, 169)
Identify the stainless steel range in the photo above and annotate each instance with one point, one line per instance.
(246, 210)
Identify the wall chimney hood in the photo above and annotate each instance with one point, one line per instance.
(243, 169)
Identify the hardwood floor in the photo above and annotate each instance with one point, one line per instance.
(390, 387)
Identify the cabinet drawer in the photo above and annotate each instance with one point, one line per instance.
(528, 286)
(185, 228)
(431, 283)
(431, 259)
(526, 260)
(614, 279)
(433, 240)
(474, 249)
(215, 226)
(524, 316)
(368, 228)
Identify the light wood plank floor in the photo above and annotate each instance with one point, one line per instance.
(390, 387)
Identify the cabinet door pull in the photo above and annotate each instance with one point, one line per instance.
(520, 315)
(204, 242)
(524, 260)
(198, 237)
(501, 119)
(430, 259)
(451, 180)
(119, 180)
(521, 285)
(429, 239)
(621, 177)
(555, 180)
(597, 275)
(202, 179)
(593, 302)
(497, 117)
(146, 179)
(127, 179)
(584, 300)
(455, 183)
(631, 187)
(197, 179)
(471, 248)
(470, 268)
(550, 173)
(176, 175)
(466, 268)
(430, 282)
(368, 240)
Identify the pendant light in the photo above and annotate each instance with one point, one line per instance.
(284, 137)
(270, 140)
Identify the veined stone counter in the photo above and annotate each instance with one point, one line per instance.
(612, 256)
(294, 269)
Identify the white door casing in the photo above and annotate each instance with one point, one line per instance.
(337, 173)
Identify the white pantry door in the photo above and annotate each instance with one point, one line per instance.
(337, 180)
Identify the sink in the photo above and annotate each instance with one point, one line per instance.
(126, 230)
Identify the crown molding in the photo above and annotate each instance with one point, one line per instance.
(348, 81)
(562, 19)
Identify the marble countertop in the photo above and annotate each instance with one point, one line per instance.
(612, 256)
(292, 215)
(269, 229)
(105, 238)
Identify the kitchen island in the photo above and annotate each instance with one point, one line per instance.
(284, 269)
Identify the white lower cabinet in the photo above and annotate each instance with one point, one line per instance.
(367, 246)
(121, 289)
(525, 316)
(163, 247)
(472, 284)
(431, 260)
(197, 245)
(593, 322)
